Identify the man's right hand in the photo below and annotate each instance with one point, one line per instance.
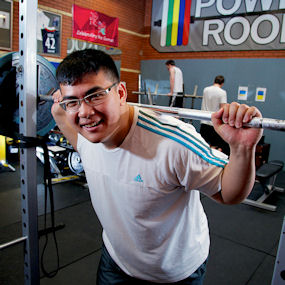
(63, 120)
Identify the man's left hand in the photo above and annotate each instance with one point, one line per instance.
(228, 123)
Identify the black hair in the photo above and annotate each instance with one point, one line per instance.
(170, 62)
(219, 79)
(79, 63)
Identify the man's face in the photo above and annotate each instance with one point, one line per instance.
(96, 123)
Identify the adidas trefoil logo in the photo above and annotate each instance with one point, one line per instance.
(138, 178)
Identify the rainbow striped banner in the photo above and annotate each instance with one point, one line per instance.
(175, 24)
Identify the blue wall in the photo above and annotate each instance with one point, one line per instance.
(266, 73)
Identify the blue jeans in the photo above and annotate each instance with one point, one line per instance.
(109, 273)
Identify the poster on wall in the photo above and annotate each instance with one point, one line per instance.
(48, 33)
(92, 26)
(260, 94)
(217, 25)
(6, 22)
(242, 93)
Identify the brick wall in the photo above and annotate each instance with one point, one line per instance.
(15, 33)
(131, 31)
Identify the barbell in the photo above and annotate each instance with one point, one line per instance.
(265, 123)
(200, 115)
(194, 114)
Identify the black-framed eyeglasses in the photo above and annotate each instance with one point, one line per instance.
(93, 99)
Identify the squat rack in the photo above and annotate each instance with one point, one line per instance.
(140, 93)
(28, 129)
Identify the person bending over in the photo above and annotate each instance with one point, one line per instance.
(145, 172)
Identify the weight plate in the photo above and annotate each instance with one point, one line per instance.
(8, 97)
(74, 162)
(9, 90)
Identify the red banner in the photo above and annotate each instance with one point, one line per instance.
(92, 26)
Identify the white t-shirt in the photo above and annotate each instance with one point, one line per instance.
(178, 80)
(143, 193)
(178, 83)
(213, 96)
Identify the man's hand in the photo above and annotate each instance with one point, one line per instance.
(239, 174)
(228, 123)
(63, 120)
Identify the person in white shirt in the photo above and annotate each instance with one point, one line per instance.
(176, 84)
(214, 97)
(145, 172)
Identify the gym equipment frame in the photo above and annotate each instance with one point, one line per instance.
(27, 118)
(27, 126)
(149, 94)
(266, 176)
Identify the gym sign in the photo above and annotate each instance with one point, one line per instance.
(215, 25)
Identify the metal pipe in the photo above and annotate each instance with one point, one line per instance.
(161, 94)
(265, 123)
(46, 98)
(12, 242)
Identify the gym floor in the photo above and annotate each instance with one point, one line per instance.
(244, 239)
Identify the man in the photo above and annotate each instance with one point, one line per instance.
(143, 173)
(176, 84)
(214, 97)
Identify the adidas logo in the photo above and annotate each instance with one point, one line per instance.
(138, 178)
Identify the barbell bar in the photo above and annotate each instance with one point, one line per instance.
(162, 94)
(264, 123)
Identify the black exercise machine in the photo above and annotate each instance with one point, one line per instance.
(266, 175)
